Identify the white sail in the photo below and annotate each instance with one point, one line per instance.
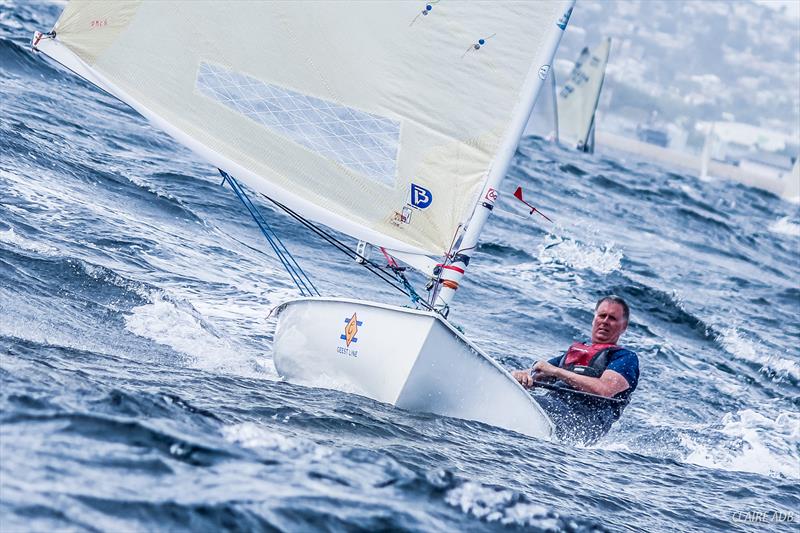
(578, 98)
(705, 156)
(544, 117)
(369, 117)
(791, 191)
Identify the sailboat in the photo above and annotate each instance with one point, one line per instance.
(544, 118)
(579, 97)
(708, 149)
(391, 122)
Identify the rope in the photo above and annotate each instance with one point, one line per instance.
(435, 283)
(299, 277)
(376, 269)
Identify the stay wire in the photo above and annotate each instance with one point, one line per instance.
(299, 277)
(293, 268)
(371, 266)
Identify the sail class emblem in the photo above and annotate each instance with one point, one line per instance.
(420, 196)
(350, 329)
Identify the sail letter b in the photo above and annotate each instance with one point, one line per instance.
(420, 197)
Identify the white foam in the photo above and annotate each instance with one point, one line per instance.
(162, 321)
(251, 435)
(11, 237)
(755, 443)
(741, 347)
(602, 259)
(499, 505)
(785, 227)
(165, 321)
(555, 254)
(139, 182)
(105, 275)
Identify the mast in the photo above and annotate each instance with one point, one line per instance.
(590, 133)
(555, 103)
(588, 146)
(454, 270)
(705, 156)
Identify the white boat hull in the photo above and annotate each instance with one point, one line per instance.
(408, 358)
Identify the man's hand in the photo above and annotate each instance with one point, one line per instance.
(543, 369)
(524, 377)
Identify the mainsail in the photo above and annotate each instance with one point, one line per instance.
(365, 116)
(578, 99)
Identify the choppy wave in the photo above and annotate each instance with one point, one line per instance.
(602, 259)
(504, 506)
(775, 364)
(10, 237)
(751, 442)
(785, 226)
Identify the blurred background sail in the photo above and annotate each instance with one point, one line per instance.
(578, 98)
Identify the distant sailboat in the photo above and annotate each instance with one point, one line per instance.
(544, 118)
(791, 190)
(579, 97)
(705, 155)
(392, 127)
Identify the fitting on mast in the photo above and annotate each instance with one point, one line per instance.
(449, 274)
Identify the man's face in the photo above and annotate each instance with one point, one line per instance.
(608, 323)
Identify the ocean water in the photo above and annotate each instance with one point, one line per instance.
(137, 391)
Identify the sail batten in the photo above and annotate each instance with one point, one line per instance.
(349, 113)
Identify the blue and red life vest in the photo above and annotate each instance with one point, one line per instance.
(588, 360)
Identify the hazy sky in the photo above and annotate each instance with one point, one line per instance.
(792, 6)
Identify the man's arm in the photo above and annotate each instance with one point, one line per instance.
(607, 385)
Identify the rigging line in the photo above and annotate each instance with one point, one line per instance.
(374, 268)
(434, 284)
(369, 265)
(280, 250)
(332, 240)
(299, 277)
(398, 272)
(295, 271)
(461, 250)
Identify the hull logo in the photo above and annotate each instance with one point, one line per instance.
(420, 197)
(351, 326)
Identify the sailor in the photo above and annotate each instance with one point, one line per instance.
(606, 371)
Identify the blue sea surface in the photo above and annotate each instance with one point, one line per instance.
(137, 390)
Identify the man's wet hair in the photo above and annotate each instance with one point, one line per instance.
(617, 300)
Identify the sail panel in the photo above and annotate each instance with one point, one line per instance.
(386, 120)
(363, 142)
(578, 98)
